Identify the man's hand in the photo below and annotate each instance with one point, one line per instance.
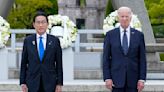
(140, 86)
(109, 83)
(24, 87)
(58, 88)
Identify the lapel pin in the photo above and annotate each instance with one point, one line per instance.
(33, 42)
(50, 43)
(132, 32)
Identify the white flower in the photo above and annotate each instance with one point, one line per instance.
(54, 20)
(111, 21)
(69, 29)
(4, 32)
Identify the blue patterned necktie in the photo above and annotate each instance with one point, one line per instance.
(125, 43)
(41, 48)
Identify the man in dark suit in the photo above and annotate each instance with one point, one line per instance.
(41, 64)
(124, 60)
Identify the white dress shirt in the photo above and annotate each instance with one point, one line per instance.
(44, 40)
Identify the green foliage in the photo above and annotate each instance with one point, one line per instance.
(156, 14)
(82, 3)
(158, 31)
(162, 57)
(54, 10)
(109, 8)
(155, 10)
(23, 11)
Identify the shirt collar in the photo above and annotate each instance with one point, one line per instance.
(127, 29)
(44, 35)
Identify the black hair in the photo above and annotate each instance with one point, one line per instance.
(40, 13)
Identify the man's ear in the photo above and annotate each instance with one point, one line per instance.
(33, 24)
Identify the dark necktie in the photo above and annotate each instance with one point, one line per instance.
(125, 43)
(41, 48)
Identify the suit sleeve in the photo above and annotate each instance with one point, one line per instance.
(106, 58)
(142, 53)
(59, 66)
(24, 61)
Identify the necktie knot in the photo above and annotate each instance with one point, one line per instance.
(40, 37)
(125, 31)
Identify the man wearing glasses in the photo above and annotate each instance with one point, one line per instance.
(41, 64)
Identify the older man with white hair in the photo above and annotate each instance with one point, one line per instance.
(124, 59)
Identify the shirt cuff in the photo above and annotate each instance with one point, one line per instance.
(107, 79)
(142, 81)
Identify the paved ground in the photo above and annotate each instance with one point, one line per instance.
(83, 86)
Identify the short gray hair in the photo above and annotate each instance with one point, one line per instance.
(125, 8)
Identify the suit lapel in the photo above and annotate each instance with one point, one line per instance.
(34, 47)
(132, 38)
(48, 45)
(118, 38)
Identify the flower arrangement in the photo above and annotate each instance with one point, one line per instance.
(4, 32)
(111, 21)
(69, 30)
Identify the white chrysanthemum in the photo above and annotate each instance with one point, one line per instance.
(111, 21)
(68, 27)
(4, 32)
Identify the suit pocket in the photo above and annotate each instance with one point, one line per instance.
(52, 73)
(27, 75)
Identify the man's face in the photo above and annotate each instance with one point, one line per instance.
(40, 24)
(124, 18)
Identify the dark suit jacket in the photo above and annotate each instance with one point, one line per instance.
(50, 69)
(124, 68)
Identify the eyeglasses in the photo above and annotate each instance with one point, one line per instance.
(40, 22)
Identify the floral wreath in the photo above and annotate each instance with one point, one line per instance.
(111, 21)
(69, 30)
(4, 32)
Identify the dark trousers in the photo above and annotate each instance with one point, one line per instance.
(125, 88)
(41, 87)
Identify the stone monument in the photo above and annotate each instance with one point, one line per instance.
(5, 6)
